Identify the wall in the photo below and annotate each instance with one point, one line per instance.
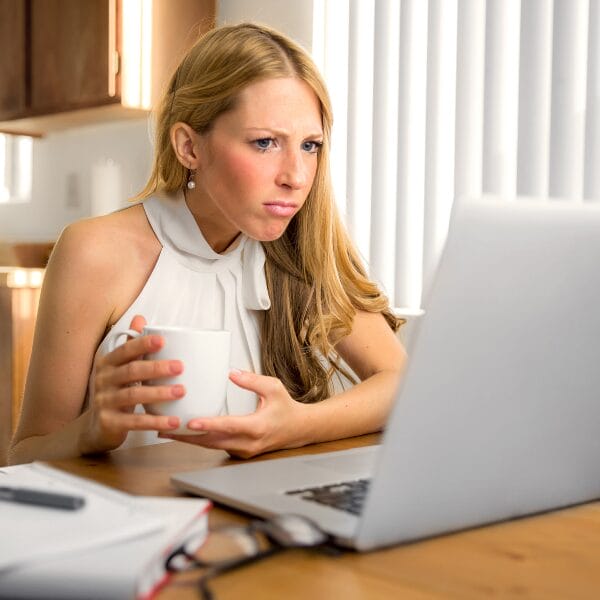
(292, 18)
(62, 176)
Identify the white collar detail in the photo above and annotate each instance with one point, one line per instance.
(176, 228)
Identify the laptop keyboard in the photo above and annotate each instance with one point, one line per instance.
(348, 495)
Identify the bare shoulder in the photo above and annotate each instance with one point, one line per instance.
(102, 241)
(112, 255)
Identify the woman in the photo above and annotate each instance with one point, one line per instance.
(237, 230)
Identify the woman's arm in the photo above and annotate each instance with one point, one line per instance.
(84, 285)
(71, 319)
(372, 351)
(376, 355)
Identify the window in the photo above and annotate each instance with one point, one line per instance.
(435, 99)
(15, 168)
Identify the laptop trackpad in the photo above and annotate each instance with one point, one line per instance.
(359, 462)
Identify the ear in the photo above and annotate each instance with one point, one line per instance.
(185, 142)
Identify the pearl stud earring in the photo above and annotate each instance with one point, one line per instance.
(191, 184)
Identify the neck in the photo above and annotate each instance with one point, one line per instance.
(219, 236)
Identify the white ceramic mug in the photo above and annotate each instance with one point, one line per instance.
(205, 354)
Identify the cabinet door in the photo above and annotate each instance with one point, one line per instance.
(13, 93)
(69, 54)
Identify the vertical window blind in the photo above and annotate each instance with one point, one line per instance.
(435, 99)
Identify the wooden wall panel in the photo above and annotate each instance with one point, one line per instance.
(18, 310)
(25, 303)
(5, 370)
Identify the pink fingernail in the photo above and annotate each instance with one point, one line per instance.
(195, 425)
(156, 340)
(176, 367)
(178, 391)
(235, 372)
(173, 421)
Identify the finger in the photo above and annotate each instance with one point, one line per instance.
(226, 425)
(237, 447)
(262, 385)
(117, 421)
(217, 442)
(133, 349)
(129, 396)
(144, 370)
(138, 323)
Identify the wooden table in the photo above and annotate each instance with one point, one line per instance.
(555, 555)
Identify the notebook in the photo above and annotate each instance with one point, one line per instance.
(498, 414)
(114, 547)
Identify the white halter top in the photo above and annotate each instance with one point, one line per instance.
(193, 286)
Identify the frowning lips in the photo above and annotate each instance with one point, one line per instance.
(281, 208)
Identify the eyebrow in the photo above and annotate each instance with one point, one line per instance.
(283, 132)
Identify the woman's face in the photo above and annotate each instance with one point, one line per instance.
(257, 163)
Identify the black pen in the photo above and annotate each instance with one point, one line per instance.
(49, 499)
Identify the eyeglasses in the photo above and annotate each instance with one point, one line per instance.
(228, 548)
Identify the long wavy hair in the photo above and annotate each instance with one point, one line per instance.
(315, 277)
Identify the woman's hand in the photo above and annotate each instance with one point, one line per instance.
(277, 422)
(116, 391)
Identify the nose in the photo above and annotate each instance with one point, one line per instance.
(292, 171)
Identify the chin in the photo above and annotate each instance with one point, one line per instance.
(269, 235)
(270, 238)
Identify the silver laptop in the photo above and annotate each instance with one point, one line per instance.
(498, 414)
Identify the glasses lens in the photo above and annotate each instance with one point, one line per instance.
(224, 545)
(292, 531)
(229, 545)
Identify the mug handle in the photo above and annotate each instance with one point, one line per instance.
(117, 335)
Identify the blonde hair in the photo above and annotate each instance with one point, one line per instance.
(314, 275)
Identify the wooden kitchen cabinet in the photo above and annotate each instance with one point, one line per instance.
(65, 62)
(72, 63)
(13, 93)
(59, 56)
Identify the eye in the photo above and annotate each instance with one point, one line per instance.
(264, 144)
(311, 147)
